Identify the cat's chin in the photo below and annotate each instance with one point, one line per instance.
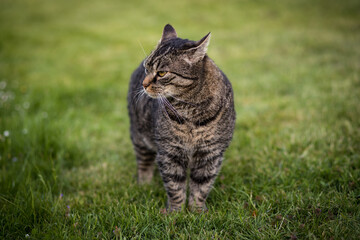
(152, 95)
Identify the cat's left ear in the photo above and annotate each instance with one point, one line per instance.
(168, 33)
(200, 47)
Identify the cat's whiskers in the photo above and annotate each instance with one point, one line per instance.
(137, 91)
(171, 107)
(192, 104)
(162, 104)
(142, 48)
(138, 95)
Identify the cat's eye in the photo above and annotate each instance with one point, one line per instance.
(161, 73)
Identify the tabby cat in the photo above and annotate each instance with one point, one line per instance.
(182, 116)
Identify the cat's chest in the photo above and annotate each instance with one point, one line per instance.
(188, 134)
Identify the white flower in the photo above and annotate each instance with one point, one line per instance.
(2, 84)
(6, 133)
(26, 105)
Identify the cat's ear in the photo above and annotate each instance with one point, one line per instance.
(168, 33)
(199, 48)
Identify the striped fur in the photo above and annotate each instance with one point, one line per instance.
(183, 121)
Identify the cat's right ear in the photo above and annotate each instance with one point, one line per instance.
(168, 33)
(197, 50)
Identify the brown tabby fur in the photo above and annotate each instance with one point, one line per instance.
(183, 120)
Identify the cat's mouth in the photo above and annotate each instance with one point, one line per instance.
(151, 93)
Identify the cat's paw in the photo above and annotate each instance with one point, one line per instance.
(163, 211)
(199, 209)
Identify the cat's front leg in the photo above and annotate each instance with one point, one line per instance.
(203, 171)
(172, 169)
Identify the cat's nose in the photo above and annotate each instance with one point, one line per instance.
(147, 81)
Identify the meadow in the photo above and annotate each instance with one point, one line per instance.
(67, 168)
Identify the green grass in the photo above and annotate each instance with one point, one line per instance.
(67, 169)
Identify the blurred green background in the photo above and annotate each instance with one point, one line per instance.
(67, 169)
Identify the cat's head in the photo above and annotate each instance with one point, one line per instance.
(175, 65)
